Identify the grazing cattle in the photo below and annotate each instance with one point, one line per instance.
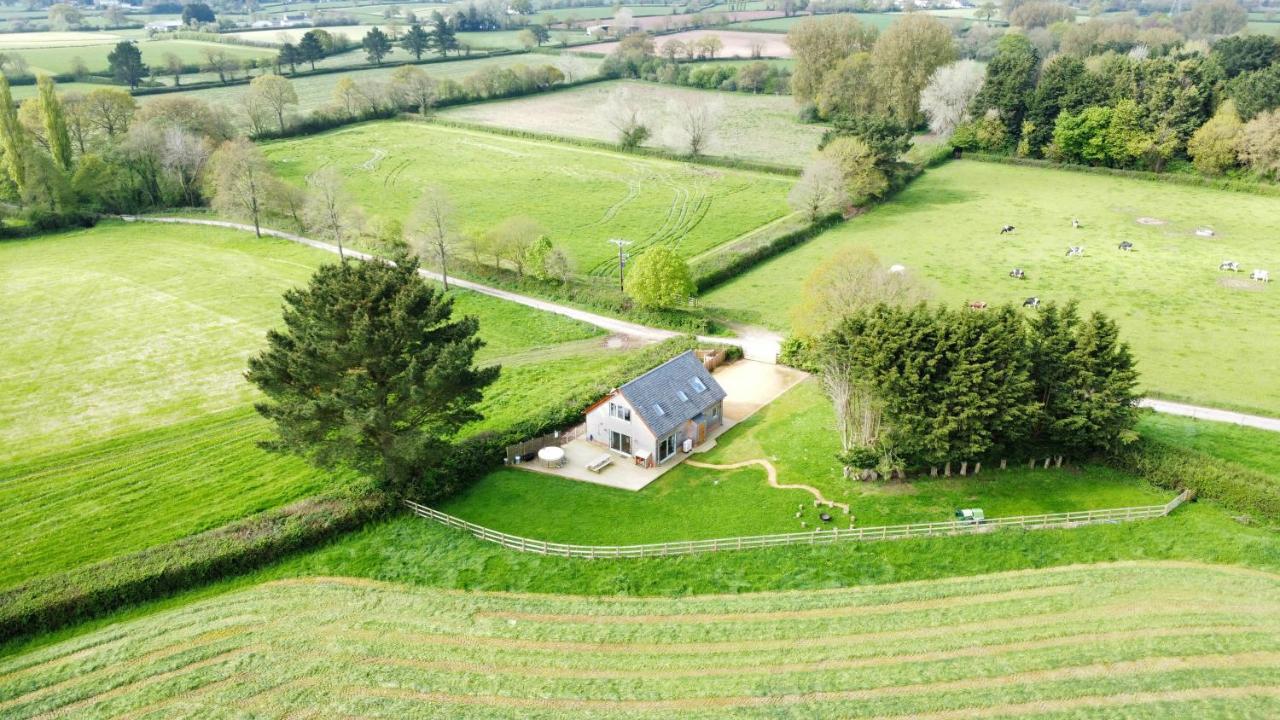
(1031, 302)
(1230, 266)
(1075, 223)
(1006, 229)
(1075, 251)
(977, 305)
(1126, 246)
(1017, 274)
(1261, 276)
(898, 269)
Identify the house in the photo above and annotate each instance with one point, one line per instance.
(672, 407)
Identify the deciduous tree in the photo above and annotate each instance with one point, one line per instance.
(55, 123)
(820, 189)
(1215, 147)
(431, 232)
(239, 181)
(949, 93)
(274, 93)
(818, 44)
(904, 59)
(660, 278)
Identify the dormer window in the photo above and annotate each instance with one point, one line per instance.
(697, 384)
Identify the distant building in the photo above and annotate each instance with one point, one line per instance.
(164, 25)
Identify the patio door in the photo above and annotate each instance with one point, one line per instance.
(619, 442)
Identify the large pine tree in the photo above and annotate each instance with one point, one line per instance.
(373, 372)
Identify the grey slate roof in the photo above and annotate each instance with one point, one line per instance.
(659, 387)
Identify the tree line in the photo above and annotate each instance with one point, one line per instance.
(920, 386)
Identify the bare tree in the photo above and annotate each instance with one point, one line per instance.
(697, 121)
(183, 159)
(945, 100)
(239, 181)
(574, 67)
(625, 111)
(512, 238)
(431, 234)
(328, 210)
(221, 63)
(820, 189)
(288, 200)
(411, 87)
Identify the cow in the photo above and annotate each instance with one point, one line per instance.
(1017, 274)
(1125, 246)
(1075, 223)
(1031, 302)
(1005, 230)
(1075, 251)
(1261, 276)
(1229, 266)
(977, 305)
(898, 269)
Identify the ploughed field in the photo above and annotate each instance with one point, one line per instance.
(1199, 334)
(125, 420)
(752, 127)
(581, 196)
(1134, 640)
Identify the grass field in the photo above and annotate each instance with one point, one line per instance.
(795, 434)
(490, 178)
(1197, 333)
(316, 91)
(735, 43)
(877, 20)
(1136, 641)
(753, 127)
(1250, 447)
(60, 59)
(125, 419)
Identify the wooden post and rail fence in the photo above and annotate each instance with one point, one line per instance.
(815, 537)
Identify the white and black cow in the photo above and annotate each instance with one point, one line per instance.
(1018, 274)
(1031, 302)
(1005, 230)
(1229, 266)
(1075, 251)
(1125, 246)
(1075, 223)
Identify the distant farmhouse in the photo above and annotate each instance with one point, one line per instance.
(672, 407)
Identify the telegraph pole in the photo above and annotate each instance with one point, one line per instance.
(622, 261)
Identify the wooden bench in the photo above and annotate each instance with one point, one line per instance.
(600, 463)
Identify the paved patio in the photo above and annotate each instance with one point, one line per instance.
(750, 386)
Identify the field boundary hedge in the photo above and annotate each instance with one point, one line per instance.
(737, 256)
(659, 153)
(57, 600)
(1237, 487)
(337, 70)
(1233, 185)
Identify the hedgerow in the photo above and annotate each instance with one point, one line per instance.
(1236, 487)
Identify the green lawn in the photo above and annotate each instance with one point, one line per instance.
(316, 92)
(877, 20)
(581, 196)
(795, 434)
(1250, 447)
(753, 127)
(1198, 334)
(1135, 641)
(125, 419)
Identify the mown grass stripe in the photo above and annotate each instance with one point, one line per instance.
(1096, 702)
(818, 613)
(1100, 670)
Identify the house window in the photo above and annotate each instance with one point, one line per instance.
(667, 447)
(697, 384)
(622, 412)
(683, 398)
(657, 409)
(619, 442)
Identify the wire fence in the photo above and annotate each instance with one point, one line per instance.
(816, 537)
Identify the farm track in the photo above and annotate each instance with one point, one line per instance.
(764, 347)
(1005, 644)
